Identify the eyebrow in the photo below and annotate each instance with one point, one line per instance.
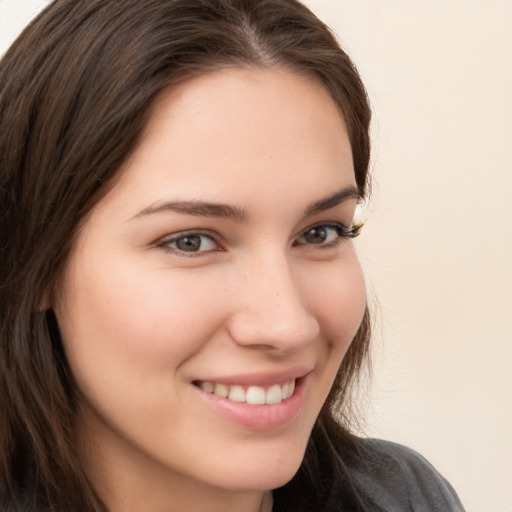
(331, 201)
(199, 209)
(228, 211)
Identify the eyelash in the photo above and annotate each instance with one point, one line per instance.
(165, 242)
(342, 233)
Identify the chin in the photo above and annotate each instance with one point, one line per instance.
(264, 472)
(263, 480)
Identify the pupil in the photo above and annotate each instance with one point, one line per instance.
(189, 243)
(316, 235)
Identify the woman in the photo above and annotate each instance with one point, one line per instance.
(183, 312)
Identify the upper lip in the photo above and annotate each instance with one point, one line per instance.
(260, 378)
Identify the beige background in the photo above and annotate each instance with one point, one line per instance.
(437, 247)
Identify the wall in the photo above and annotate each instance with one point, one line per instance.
(437, 246)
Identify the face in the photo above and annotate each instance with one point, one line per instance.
(220, 263)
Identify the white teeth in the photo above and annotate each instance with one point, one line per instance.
(209, 387)
(221, 390)
(291, 388)
(274, 395)
(254, 395)
(237, 394)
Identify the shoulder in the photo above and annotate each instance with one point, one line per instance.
(396, 478)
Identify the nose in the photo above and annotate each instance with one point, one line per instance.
(271, 308)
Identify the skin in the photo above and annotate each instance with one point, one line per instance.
(141, 320)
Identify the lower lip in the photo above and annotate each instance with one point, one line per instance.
(257, 417)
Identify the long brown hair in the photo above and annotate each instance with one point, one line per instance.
(75, 91)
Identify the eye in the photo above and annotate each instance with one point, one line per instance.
(190, 243)
(327, 234)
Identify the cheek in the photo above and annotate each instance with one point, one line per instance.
(338, 297)
(342, 311)
(123, 323)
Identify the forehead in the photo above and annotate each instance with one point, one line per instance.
(222, 132)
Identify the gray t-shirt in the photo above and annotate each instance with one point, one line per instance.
(398, 479)
(381, 477)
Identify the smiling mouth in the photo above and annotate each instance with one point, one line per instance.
(252, 395)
